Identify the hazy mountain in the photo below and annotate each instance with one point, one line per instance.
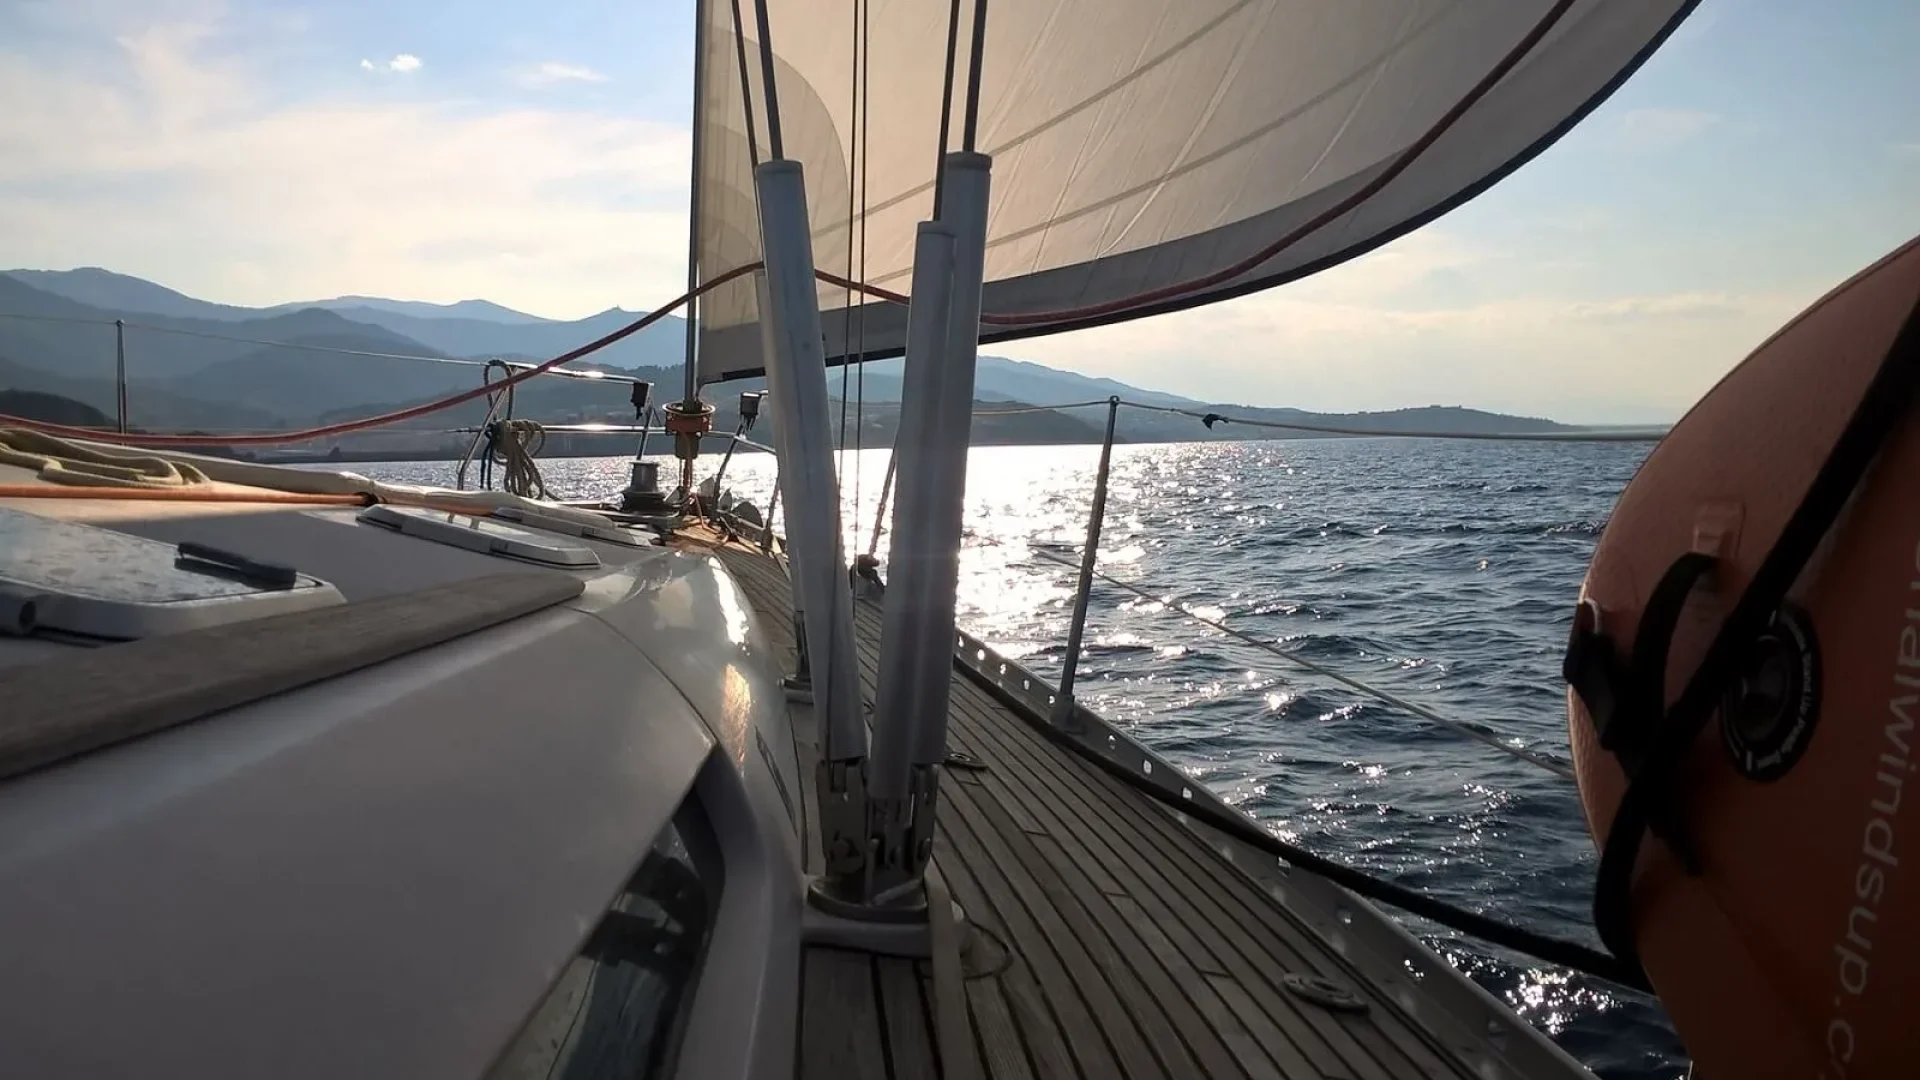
(664, 344)
(149, 406)
(71, 338)
(483, 310)
(1021, 380)
(126, 296)
(1138, 425)
(466, 328)
(52, 409)
(198, 364)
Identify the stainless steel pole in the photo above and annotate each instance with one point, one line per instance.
(913, 601)
(1063, 701)
(120, 371)
(886, 485)
(686, 449)
(916, 650)
(797, 378)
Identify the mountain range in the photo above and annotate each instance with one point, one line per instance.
(193, 363)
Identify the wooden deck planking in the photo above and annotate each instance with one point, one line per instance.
(1301, 950)
(838, 983)
(1305, 1036)
(903, 1002)
(1136, 951)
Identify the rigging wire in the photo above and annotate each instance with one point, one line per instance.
(946, 107)
(1164, 597)
(1552, 950)
(886, 489)
(846, 309)
(1211, 418)
(860, 318)
(974, 61)
(746, 86)
(769, 89)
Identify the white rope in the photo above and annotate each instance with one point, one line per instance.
(514, 445)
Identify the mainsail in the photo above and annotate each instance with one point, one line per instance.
(1137, 144)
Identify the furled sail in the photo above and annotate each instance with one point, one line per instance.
(1137, 144)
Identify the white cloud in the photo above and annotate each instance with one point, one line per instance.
(155, 155)
(403, 64)
(1651, 130)
(555, 72)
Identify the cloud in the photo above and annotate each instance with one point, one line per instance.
(1909, 151)
(1350, 339)
(1680, 305)
(403, 64)
(1651, 130)
(555, 72)
(153, 152)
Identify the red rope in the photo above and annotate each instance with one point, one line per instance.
(268, 438)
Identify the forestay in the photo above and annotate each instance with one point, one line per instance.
(1136, 143)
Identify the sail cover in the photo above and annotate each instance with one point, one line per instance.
(1136, 143)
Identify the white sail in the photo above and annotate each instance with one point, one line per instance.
(1136, 143)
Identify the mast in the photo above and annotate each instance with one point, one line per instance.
(916, 647)
(795, 356)
(692, 389)
(689, 419)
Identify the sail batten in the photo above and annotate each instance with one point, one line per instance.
(1140, 144)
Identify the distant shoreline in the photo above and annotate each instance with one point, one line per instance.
(659, 446)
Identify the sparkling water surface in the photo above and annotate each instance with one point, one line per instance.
(1443, 571)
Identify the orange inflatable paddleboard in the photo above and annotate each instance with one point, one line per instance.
(1766, 868)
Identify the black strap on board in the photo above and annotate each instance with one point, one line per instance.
(1627, 701)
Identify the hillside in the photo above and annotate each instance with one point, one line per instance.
(192, 363)
(52, 409)
(467, 328)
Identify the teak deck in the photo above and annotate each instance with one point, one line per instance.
(1105, 940)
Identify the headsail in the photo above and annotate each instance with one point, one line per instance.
(1138, 142)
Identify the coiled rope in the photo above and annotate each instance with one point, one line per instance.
(512, 444)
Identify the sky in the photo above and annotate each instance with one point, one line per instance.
(262, 151)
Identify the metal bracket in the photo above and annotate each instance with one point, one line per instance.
(874, 895)
(900, 836)
(842, 788)
(799, 685)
